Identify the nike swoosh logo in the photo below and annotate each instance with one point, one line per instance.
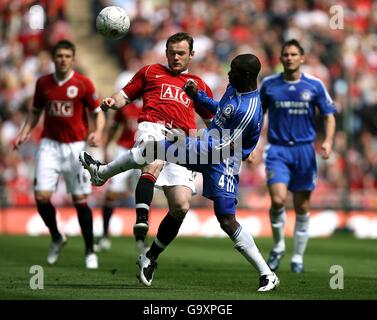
(159, 75)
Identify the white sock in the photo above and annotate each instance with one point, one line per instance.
(244, 243)
(278, 219)
(132, 159)
(301, 237)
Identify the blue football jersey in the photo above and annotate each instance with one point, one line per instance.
(291, 107)
(237, 125)
(238, 119)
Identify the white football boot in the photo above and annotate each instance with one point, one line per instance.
(92, 166)
(268, 282)
(54, 250)
(147, 268)
(91, 261)
(104, 244)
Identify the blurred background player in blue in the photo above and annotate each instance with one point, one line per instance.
(292, 99)
(233, 134)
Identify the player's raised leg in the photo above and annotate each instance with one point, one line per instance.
(100, 173)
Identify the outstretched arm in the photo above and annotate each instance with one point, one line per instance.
(115, 102)
(210, 103)
(200, 97)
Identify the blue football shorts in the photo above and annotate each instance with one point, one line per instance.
(294, 166)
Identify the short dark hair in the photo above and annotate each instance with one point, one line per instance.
(63, 44)
(249, 63)
(180, 36)
(292, 42)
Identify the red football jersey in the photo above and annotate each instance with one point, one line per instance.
(164, 101)
(65, 104)
(127, 117)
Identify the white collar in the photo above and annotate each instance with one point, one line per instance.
(183, 72)
(62, 82)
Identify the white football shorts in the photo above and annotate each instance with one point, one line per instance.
(54, 159)
(172, 174)
(122, 182)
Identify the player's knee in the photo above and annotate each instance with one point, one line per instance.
(227, 223)
(278, 201)
(42, 198)
(153, 168)
(79, 201)
(180, 210)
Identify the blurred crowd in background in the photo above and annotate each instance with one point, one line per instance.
(343, 56)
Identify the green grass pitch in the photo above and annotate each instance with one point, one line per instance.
(190, 268)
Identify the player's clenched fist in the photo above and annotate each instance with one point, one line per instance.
(115, 102)
(107, 103)
(190, 88)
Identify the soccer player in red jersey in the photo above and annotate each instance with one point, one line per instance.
(65, 97)
(165, 105)
(123, 128)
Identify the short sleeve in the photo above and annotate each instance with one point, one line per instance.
(135, 87)
(91, 97)
(324, 102)
(38, 100)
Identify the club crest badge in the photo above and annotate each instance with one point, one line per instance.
(72, 91)
(306, 95)
(228, 110)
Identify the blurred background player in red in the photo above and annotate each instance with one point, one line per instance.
(165, 105)
(122, 129)
(65, 96)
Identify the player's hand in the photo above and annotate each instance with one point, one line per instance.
(190, 88)
(21, 138)
(326, 149)
(107, 103)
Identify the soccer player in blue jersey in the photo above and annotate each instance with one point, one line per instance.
(231, 137)
(291, 99)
